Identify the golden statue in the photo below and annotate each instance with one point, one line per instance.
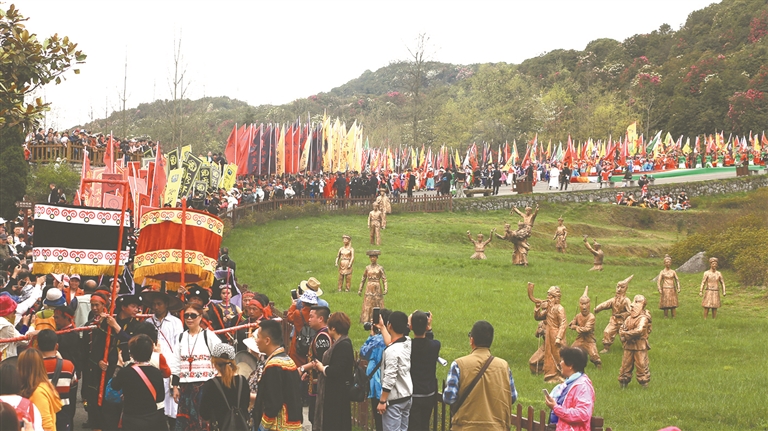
(597, 250)
(668, 286)
(561, 233)
(519, 239)
(619, 306)
(712, 280)
(375, 282)
(584, 325)
(528, 217)
(376, 221)
(554, 331)
(344, 260)
(634, 336)
(480, 244)
(383, 200)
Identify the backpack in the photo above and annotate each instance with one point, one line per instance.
(235, 421)
(361, 386)
(305, 338)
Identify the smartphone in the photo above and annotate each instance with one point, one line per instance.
(294, 294)
(376, 311)
(545, 392)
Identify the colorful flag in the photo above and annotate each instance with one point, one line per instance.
(159, 179)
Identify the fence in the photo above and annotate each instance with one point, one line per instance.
(362, 417)
(399, 204)
(72, 153)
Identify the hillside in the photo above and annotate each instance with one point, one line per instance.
(709, 75)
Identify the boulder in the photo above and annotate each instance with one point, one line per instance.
(697, 263)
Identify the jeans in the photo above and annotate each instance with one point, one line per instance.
(395, 418)
(421, 410)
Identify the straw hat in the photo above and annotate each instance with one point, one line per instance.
(312, 284)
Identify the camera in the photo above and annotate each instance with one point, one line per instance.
(367, 326)
(294, 294)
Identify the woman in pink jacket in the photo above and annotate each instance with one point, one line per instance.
(572, 401)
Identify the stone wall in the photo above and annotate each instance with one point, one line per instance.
(693, 189)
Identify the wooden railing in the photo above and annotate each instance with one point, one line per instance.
(72, 153)
(399, 204)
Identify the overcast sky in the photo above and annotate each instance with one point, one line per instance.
(277, 51)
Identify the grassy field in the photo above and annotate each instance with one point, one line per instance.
(705, 374)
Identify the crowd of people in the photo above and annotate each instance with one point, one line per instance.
(654, 200)
(80, 138)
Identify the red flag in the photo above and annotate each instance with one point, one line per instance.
(243, 146)
(473, 157)
(527, 159)
(109, 156)
(231, 151)
(159, 179)
(85, 188)
(289, 149)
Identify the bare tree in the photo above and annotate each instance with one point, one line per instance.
(178, 88)
(416, 76)
(123, 97)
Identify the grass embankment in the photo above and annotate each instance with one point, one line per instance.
(706, 375)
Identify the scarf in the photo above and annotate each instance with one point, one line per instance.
(560, 392)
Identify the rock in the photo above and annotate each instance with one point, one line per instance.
(697, 263)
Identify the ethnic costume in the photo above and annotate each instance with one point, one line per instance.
(375, 281)
(278, 403)
(191, 369)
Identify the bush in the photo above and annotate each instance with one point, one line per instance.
(63, 175)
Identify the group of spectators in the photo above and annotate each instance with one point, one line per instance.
(654, 200)
(77, 138)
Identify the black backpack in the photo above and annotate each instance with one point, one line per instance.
(361, 387)
(305, 338)
(235, 421)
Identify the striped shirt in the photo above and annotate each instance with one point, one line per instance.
(67, 384)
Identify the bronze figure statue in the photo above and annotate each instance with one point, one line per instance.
(376, 221)
(375, 282)
(344, 260)
(561, 234)
(383, 200)
(553, 314)
(519, 239)
(634, 336)
(584, 325)
(619, 306)
(480, 244)
(668, 286)
(712, 281)
(597, 250)
(528, 217)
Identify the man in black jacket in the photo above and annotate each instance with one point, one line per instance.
(411, 183)
(496, 180)
(425, 351)
(341, 188)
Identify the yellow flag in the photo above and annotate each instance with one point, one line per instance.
(632, 132)
(305, 154)
(172, 188)
(457, 159)
(280, 153)
(229, 177)
(185, 151)
(687, 147)
(414, 158)
(328, 142)
(756, 143)
(348, 159)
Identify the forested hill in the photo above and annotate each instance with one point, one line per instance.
(710, 75)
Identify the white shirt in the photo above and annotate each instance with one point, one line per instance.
(14, 401)
(201, 368)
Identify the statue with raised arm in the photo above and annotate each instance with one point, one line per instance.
(711, 282)
(375, 282)
(344, 260)
(519, 239)
(668, 286)
(376, 222)
(597, 250)
(561, 233)
(634, 336)
(480, 244)
(528, 217)
(553, 314)
(619, 306)
(584, 325)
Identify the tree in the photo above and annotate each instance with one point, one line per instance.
(26, 64)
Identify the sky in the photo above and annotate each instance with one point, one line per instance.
(274, 52)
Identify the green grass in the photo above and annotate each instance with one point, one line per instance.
(705, 375)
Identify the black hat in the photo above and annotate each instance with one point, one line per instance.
(195, 290)
(223, 278)
(127, 300)
(173, 301)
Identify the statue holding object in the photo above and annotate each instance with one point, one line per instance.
(553, 314)
(480, 244)
(344, 260)
(597, 250)
(668, 286)
(584, 325)
(634, 336)
(712, 281)
(619, 306)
